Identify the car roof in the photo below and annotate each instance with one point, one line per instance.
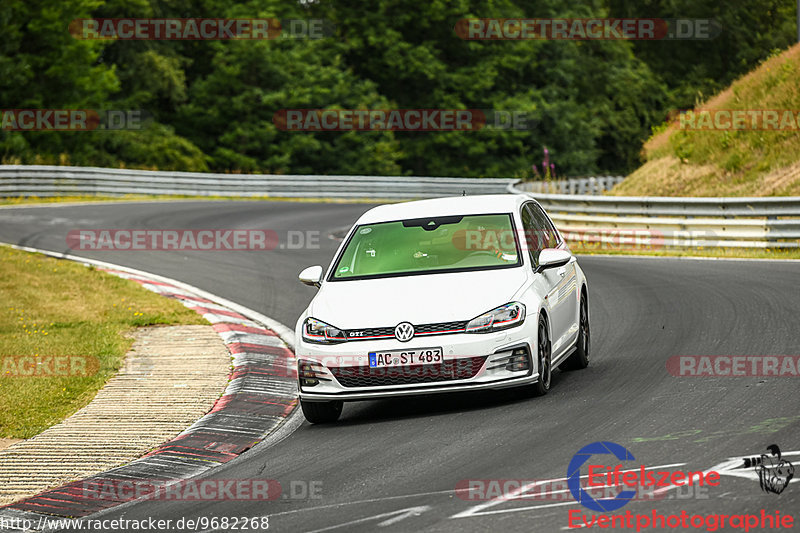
(436, 207)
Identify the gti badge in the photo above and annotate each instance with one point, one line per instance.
(404, 332)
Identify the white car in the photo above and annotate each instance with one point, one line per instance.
(442, 295)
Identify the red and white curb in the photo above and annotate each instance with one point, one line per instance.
(259, 399)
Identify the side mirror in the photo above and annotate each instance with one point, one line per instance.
(552, 258)
(311, 276)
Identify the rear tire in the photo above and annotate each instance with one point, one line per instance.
(322, 412)
(544, 357)
(580, 357)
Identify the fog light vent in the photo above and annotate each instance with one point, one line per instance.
(308, 375)
(516, 362)
(519, 360)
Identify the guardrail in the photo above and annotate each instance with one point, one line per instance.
(653, 222)
(592, 185)
(44, 181)
(588, 219)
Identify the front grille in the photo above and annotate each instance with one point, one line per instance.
(365, 376)
(440, 328)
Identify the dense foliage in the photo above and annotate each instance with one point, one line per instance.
(211, 103)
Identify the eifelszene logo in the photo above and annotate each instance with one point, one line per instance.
(637, 478)
(574, 476)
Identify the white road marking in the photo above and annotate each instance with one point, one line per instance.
(517, 509)
(724, 468)
(518, 493)
(397, 516)
(734, 466)
(411, 511)
(371, 500)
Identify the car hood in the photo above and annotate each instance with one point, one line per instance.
(420, 299)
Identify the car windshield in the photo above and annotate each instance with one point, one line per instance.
(429, 245)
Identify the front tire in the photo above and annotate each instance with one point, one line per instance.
(580, 357)
(544, 357)
(322, 412)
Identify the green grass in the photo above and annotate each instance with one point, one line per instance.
(682, 162)
(51, 307)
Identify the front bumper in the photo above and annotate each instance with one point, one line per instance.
(471, 362)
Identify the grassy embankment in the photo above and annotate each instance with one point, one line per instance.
(743, 162)
(54, 308)
(681, 161)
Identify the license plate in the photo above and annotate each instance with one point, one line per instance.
(419, 356)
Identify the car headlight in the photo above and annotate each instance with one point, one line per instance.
(506, 316)
(319, 332)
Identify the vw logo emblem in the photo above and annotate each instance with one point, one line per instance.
(404, 332)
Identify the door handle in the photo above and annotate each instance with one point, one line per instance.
(562, 271)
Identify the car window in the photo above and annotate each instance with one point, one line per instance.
(539, 231)
(427, 245)
(550, 235)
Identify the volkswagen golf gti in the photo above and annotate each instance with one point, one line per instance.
(441, 295)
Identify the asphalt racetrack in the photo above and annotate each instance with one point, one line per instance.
(394, 465)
